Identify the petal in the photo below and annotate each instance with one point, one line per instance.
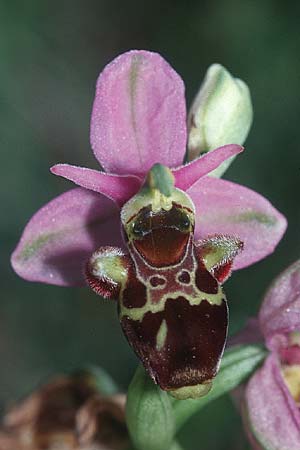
(218, 253)
(280, 311)
(139, 115)
(62, 235)
(187, 175)
(118, 188)
(273, 416)
(223, 207)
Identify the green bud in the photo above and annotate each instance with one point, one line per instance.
(149, 414)
(220, 114)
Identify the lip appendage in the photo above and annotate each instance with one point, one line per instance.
(172, 308)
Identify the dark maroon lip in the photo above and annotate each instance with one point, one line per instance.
(187, 358)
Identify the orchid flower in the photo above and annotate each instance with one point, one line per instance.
(272, 396)
(138, 120)
(182, 228)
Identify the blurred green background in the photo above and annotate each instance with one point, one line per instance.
(51, 54)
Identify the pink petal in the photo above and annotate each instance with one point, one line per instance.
(118, 188)
(186, 176)
(139, 115)
(62, 235)
(280, 311)
(273, 416)
(223, 207)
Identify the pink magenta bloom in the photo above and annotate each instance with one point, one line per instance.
(272, 395)
(138, 119)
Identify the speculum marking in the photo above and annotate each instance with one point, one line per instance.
(193, 341)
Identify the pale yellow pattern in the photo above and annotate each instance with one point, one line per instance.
(192, 294)
(291, 375)
(161, 335)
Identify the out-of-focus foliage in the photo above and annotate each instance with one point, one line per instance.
(50, 55)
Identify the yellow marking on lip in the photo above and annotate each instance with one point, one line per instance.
(161, 335)
(139, 313)
(194, 300)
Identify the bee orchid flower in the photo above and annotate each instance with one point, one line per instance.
(139, 119)
(183, 229)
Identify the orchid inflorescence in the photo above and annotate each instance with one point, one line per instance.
(161, 237)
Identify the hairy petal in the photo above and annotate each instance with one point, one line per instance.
(189, 174)
(62, 235)
(139, 115)
(119, 188)
(272, 414)
(280, 311)
(223, 207)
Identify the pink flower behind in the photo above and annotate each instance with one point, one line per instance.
(138, 119)
(272, 396)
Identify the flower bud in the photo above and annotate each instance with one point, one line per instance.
(220, 114)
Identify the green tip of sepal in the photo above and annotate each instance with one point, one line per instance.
(160, 178)
(149, 414)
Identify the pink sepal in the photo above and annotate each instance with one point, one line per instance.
(272, 413)
(139, 114)
(280, 311)
(223, 207)
(63, 234)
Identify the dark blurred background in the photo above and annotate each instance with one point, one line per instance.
(51, 53)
